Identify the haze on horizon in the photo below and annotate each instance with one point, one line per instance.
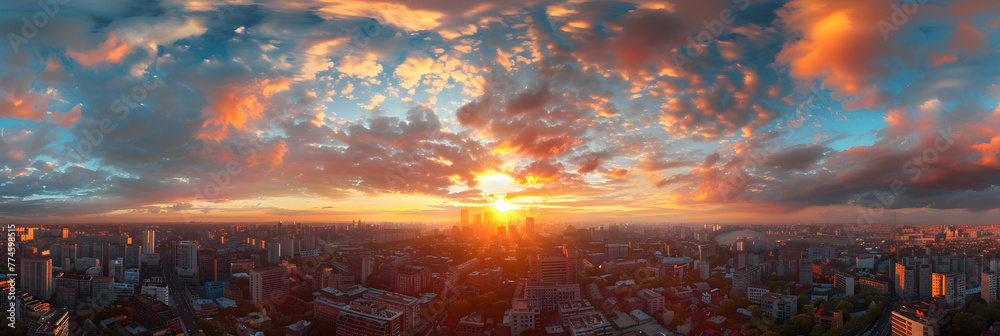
(389, 110)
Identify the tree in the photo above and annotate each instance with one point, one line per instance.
(460, 308)
(967, 324)
(727, 307)
(211, 328)
(756, 311)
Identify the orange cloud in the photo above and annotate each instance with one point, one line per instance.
(840, 42)
(238, 105)
(112, 50)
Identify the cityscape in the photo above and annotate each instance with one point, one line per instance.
(485, 276)
(500, 167)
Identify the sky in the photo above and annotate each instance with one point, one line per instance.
(567, 111)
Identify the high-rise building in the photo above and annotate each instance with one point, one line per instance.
(269, 284)
(951, 286)
(529, 225)
(133, 255)
(149, 241)
(64, 233)
(478, 220)
(360, 317)
(844, 282)
(464, 217)
(273, 252)
(359, 265)
(805, 272)
(990, 282)
(924, 271)
(214, 265)
(905, 282)
(488, 218)
(185, 254)
(36, 275)
(554, 268)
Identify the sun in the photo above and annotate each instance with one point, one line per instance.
(500, 203)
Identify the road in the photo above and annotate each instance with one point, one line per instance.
(883, 326)
(177, 303)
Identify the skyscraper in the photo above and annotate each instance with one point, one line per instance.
(214, 265)
(133, 255)
(925, 271)
(905, 282)
(951, 286)
(359, 266)
(185, 254)
(529, 225)
(37, 277)
(273, 252)
(488, 218)
(464, 221)
(149, 241)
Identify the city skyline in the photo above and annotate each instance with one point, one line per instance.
(764, 111)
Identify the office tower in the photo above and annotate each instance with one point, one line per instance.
(185, 254)
(488, 218)
(64, 233)
(273, 252)
(269, 284)
(478, 220)
(152, 314)
(951, 286)
(214, 265)
(805, 272)
(360, 317)
(133, 256)
(464, 217)
(36, 275)
(149, 241)
(905, 282)
(925, 271)
(990, 282)
(359, 265)
(554, 268)
(288, 248)
(529, 225)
